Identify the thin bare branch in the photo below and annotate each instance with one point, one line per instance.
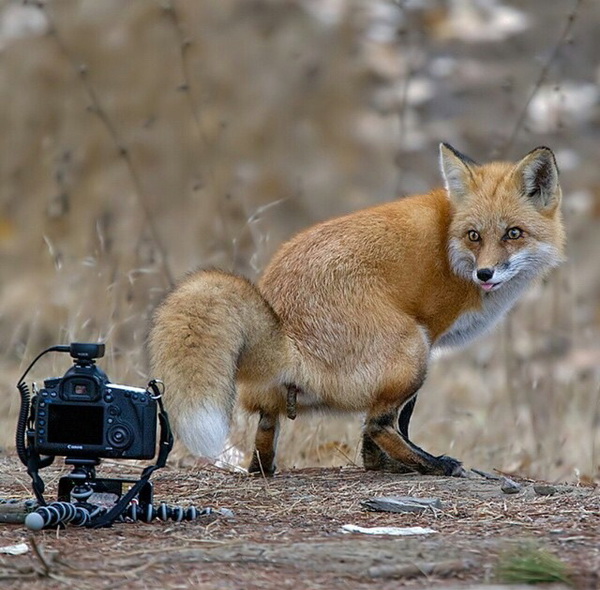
(186, 85)
(97, 109)
(543, 75)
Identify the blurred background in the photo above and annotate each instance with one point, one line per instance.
(143, 139)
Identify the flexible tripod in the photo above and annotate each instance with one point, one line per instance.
(75, 493)
(82, 482)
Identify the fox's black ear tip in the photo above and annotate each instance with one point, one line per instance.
(542, 148)
(446, 146)
(465, 159)
(546, 151)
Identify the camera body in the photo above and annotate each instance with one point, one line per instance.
(83, 415)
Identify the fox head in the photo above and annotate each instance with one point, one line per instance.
(506, 220)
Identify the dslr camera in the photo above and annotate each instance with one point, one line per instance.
(83, 415)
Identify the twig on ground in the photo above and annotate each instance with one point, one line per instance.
(38, 552)
(351, 461)
(487, 475)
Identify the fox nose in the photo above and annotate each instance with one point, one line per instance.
(485, 274)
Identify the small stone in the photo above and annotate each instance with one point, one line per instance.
(544, 490)
(508, 486)
(226, 512)
(401, 504)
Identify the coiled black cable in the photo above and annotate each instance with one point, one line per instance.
(22, 422)
(27, 454)
(21, 434)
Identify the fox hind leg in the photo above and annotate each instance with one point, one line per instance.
(400, 454)
(270, 410)
(452, 465)
(375, 458)
(386, 445)
(263, 456)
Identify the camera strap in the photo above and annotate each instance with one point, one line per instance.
(37, 483)
(165, 446)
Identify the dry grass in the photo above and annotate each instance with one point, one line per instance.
(142, 141)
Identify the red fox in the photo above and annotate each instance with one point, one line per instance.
(348, 311)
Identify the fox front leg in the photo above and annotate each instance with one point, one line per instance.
(405, 414)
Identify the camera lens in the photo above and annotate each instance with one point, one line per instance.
(119, 436)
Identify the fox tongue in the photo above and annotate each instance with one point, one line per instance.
(487, 286)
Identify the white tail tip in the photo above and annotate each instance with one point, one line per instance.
(204, 430)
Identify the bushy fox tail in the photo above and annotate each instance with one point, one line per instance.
(210, 328)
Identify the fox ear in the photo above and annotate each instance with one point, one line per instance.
(539, 176)
(456, 170)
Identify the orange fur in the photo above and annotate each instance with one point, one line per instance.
(348, 311)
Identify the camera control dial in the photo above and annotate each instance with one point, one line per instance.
(119, 436)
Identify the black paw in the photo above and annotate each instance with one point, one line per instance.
(451, 467)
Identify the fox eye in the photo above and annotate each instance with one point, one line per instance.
(514, 233)
(474, 236)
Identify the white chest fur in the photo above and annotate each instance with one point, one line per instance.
(472, 324)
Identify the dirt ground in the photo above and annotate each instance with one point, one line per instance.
(286, 532)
